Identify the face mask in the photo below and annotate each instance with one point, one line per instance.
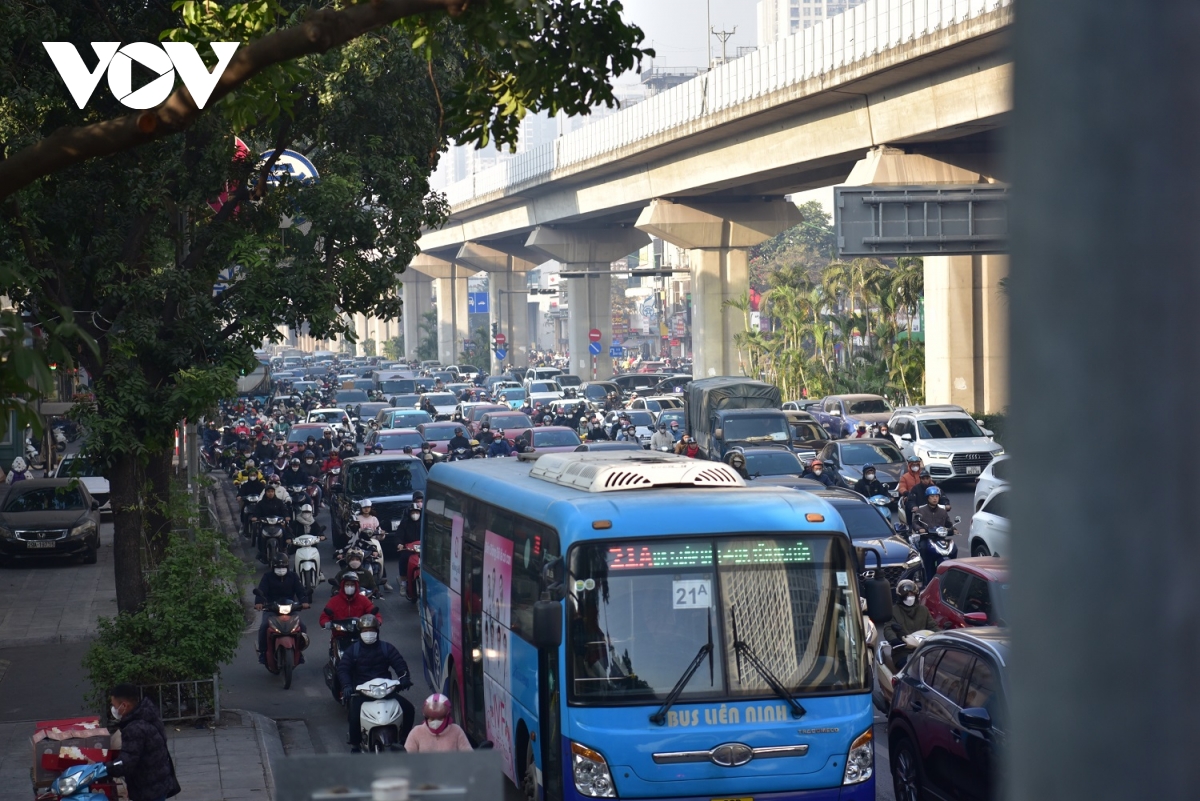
(281, 571)
(909, 601)
(869, 476)
(355, 565)
(369, 637)
(817, 471)
(438, 726)
(915, 468)
(308, 461)
(349, 589)
(415, 515)
(116, 713)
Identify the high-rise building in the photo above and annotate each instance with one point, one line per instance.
(778, 19)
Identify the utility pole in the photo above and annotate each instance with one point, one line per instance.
(707, 39)
(724, 36)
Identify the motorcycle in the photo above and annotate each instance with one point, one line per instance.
(886, 670)
(410, 556)
(307, 560)
(883, 505)
(935, 546)
(285, 640)
(367, 541)
(381, 716)
(270, 534)
(461, 454)
(60, 440)
(80, 783)
(343, 634)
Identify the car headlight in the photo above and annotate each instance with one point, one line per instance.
(937, 454)
(5, 533)
(998, 453)
(592, 777)
(84, 528)
(914, 558)
(860, 761)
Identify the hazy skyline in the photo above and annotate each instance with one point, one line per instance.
(677, 29)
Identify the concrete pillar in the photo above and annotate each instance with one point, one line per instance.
(966, 311)
(588, 253)
(417, 296)
(450, 297)
(507, 266)
(717, 236)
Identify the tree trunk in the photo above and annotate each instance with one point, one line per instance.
(125, 482)
(158, 517)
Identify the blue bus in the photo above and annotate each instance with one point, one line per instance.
(709, 640)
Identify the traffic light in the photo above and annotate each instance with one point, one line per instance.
(495, 329)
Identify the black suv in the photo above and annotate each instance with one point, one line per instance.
(387, 480)
(949, 719)
(870, 532)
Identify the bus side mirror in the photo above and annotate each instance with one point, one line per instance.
(547, 625)
(878, 593)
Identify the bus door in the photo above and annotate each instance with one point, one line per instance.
(472, 648)
(550, 711)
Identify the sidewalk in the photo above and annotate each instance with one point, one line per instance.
(226, 763)
(53, 601)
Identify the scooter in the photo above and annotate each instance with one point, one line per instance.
(285, 640)
(885, 667)
(380, 717)
(343, 634)
(79, 783)
(60, 440)
(935, 546)
(307, 560)
(270, 531)
(367, 540)
(410, 557)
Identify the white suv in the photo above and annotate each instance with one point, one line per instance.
(945, 439)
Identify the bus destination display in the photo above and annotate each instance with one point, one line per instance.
(691, 555)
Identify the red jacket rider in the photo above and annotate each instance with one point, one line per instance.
(348, 603)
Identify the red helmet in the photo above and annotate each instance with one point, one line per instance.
(436, 712)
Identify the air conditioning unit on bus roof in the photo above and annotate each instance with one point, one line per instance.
(610, 472)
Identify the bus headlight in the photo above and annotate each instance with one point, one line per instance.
(592, 777)
(860, 761)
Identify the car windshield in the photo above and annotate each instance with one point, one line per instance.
(512, 394)
(863, 521)
(397, 386)
(543, 386)
(385, 478)
(79, 466)
(554, 439)
(441, 398)
(751, 429)
(806, 431)
(640, 611)
(872, 406)
(397, 441)
(507, 421)
(596, 391)
(672, 414)
(410, 419)
(297, 434)
(568, 380)
(439, 433)
(778, 463)
(640, 418)
(408, 399)
(47, 499)
(327, 416)
(870, 453)
(949, 428)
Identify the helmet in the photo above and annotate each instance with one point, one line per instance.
(932, 491)
(436, 712)
(868, 466)
(280, 560)
(295, 462)
(418, 496)
(365, 503)
(861, 424)
(925, 472)
(249, 464)
(914, 459)
(368, 623)
(352, 553)
(306, 508)
(906, 587)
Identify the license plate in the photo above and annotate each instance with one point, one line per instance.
(39, 543)
(744, 798)
(974, 471)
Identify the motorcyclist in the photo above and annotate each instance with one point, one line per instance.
(409, 529)
(909, 616)
(278, 584)
(627, 433)
(916, 496)
(429, 457)
(925, 519)
(912, 475)
(439, 734)
(737, 461)
(817, 471)
(331, 461)
(347, 449)
(371, 658)
(310, 467)
(869, 485)
(354, 564)
(860, 431)
(250, 485)
(500, 445)
(485, 434)
(459, 440)
(348, 602)
(293, 476)
(596, 432)
(662, 439)
(269, 506)
(676, 434)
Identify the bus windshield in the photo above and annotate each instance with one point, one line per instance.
(641, 610)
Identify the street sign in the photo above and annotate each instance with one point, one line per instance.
(938, 220)
(501, 353)
(501, 339)
(594, 335)
(616, 351)
(594, 348)
(290, 163)
(477, 303)
(674, 343)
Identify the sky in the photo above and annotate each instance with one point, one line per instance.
(676, 29)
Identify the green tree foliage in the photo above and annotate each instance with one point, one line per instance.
(427, 348)
(393, 349)
(833, 326)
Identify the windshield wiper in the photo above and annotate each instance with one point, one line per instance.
(743, 649)
(706, 650)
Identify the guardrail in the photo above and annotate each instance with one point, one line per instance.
(863, 32)
(186, 700)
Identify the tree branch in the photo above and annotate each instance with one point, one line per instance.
(324, 30)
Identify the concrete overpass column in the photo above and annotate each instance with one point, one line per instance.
(507, 265)
(451, 294)
(717, 236)
(417, 294)
(586, 255)
(966, 311)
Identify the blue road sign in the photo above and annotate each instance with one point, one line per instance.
(616, 351)
(477, 303)
(594, 348)
(501, 353)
